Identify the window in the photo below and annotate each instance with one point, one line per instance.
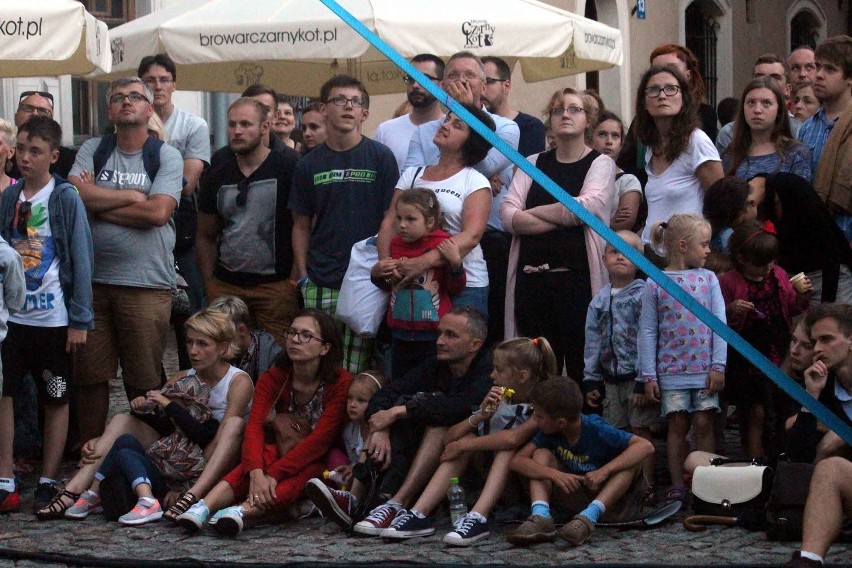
(804, 30)
(702, 38)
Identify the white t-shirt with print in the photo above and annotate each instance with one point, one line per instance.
(44, 305)
(452, 193)
(678, 189)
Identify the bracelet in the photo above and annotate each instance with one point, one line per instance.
(469, 421)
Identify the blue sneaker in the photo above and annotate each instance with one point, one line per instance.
(408, 525)
(469, 529)
(195, 517)
(228, 521)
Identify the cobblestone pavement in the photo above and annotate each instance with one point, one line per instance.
(313, 540)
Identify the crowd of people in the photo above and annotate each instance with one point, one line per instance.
(517, 346)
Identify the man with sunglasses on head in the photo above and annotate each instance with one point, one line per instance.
(40, 103)
(130, 194)
(244, 232)
(396, 132)
(341, 190)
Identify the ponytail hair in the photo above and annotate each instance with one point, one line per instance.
(533, 355)
(682, 226)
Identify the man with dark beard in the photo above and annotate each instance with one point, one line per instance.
(244, 227)
(396, 133)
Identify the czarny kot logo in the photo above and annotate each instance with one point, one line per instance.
(478, 33)
(117, 47)
(21, 27)
(248, 74)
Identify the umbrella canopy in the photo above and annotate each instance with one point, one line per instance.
(51, 37)
(296, 45)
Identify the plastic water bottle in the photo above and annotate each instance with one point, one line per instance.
(458, 506)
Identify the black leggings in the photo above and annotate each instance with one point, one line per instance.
(554, 305)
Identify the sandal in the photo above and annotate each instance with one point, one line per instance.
(182, 505)
(676, 493)
(56, 508)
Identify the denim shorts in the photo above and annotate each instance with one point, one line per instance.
(687, 400)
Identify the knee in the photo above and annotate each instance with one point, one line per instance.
(544, 456)
(702, 421)
(126, 441)
(833, 470)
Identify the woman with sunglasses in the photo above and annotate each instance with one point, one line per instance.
(681, 161)
(297, 415)
(555, 262)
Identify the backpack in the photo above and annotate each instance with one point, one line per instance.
(150, 154)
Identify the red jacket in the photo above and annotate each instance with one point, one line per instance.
(421, 305)
(735, 287)
(315, 446)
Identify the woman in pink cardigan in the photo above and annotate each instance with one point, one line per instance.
(555, 263)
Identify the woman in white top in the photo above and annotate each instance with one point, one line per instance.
(555, 262)
(465, 198)
(681, 160)
(210, 338)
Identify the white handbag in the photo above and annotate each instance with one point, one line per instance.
(362, 305)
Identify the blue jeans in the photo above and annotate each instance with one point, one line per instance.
(473, 297)
(127, 456)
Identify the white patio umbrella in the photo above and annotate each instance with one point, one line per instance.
(51, 37)
(296, 45)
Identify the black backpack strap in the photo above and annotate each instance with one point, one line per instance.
(102, 153)
(151, 156)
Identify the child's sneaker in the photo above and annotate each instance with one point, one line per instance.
(195, 517)
(88, 503)
(228, 521)
(44, 494)
(408, 525)
(469, 529)
(147, 510)
(333, 504)
(378, 520)
(535, 529)
(577, 531)
(9, 501)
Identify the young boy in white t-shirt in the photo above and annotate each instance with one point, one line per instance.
(43, 218)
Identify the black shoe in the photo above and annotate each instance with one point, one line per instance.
(798, 562)
(44, 494)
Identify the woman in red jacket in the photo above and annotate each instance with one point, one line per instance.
(297, 414)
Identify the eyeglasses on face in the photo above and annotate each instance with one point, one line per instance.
(303, 334)
(572, 110)
(132, 97)
(409, 80)
(467, 76)
(668, 90)
(341, 101)
(30, 109)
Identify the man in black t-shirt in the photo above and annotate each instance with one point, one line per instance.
(40, 103)
(244, 226)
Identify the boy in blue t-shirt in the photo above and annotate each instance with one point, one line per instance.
(594, 468)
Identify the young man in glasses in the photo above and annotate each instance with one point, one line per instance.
(130, 206)
(43, 218)
(396, 132)
(40, 103)
(244, 226)
(340, 193)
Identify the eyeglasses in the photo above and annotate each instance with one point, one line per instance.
(341, 101)
(303, 334)
(132, 97)
(242, 196)
(44, 94)
(409, 80)
(572, 110)
(668, 90)
(467, 76)
(30, 109)
(25, 209)
(492, 80)
(152, 81)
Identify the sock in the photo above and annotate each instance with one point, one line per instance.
(46, 480)
(812, 556)
(594, 511)
(417, 514)
(395, 505)
(541, 508)
(7, 484)
(146, 502)
(201, 503)
(478, 516)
